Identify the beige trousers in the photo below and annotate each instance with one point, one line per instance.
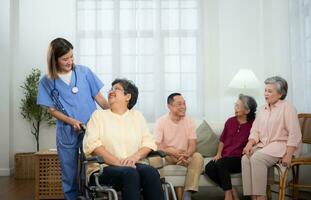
(255, 173)
(194, 170)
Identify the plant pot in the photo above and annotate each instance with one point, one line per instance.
(24, 166)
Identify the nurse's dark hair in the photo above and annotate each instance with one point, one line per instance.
(250, 104)
(129, 88)
(57, 48)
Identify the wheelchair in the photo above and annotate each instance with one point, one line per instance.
(98, 191)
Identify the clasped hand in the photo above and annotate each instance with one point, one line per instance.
(130, 161)
(217, 157)
(248, 150)
(183, 158)
(286, 160)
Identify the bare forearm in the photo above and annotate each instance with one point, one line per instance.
(290, 150)
(60, 116)
(171, 151)
(101, 101)
(251, 142)
(220, 148)
(191, 147)
(142, 152)
(107, 156)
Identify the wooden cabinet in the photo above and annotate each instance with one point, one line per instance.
(48, 184)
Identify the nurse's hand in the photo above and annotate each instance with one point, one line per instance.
(76, 125)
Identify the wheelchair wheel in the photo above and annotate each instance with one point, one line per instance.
(81, 198)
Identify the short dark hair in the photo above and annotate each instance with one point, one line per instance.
(170, 98)
(57, 48)
(250, 104)
(129, 88)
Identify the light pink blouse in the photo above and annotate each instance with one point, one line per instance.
(275, 128)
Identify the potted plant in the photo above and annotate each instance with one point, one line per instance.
(36, 116)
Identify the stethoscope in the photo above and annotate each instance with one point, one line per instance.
(75, 89)
(55, 94)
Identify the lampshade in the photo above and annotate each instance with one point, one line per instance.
(245, 78)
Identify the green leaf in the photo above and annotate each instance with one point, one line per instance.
(33, 113)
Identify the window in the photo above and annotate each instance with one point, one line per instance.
(155, 43)
(300, 43)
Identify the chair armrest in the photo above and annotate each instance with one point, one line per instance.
(155, 158)
(94, 159)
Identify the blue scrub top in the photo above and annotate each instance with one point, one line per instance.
(79, 106)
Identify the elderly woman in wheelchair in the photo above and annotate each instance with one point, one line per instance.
(121, 137)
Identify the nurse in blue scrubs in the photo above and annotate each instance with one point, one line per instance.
(70, 92)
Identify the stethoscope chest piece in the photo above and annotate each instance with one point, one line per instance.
(75, 90)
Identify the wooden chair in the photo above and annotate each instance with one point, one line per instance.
(272, 181)
(304, 159)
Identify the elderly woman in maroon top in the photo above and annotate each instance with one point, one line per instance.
(232, 141)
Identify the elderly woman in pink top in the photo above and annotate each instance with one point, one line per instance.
(275, 137)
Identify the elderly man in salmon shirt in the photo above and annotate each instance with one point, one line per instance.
(175, 135)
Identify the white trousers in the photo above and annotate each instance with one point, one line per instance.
(255, 172)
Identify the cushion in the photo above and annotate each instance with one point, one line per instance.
(207, 140)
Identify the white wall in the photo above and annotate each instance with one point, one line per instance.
(37, 24)
(243, 34)
(5, 86)
(238, 34)
(26, 28)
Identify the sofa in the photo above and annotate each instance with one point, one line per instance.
(207, 146)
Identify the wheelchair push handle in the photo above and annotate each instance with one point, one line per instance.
(82, 128)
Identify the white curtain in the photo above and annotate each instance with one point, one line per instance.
(300, 43)
(155, 43)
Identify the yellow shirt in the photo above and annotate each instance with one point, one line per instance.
(121, 135)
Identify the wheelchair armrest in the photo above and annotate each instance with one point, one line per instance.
(160, 153)
(155, 159)
(96, 159)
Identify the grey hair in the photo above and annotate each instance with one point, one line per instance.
(250, 104)
(281, 85)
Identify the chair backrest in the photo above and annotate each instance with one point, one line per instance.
(305, 126)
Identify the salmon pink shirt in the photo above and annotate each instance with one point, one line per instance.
(172, 134)
(275, 128)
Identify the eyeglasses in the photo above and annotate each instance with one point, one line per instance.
(114, 89)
